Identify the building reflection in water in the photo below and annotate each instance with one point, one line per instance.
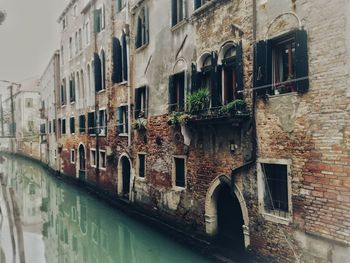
(63, 224)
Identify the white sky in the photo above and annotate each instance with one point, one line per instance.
(28, 37)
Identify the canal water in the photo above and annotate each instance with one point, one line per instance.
(45, 220)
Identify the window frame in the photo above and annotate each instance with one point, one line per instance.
(138, 165)
(63, 127)
(93, 164)
(72, 156)
(125, 123)
(72, 131)
(288, 218)
(174, 81)
(105, 122)
(142, 40)
(100, 160)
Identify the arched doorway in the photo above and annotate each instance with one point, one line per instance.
(82, 167)
(226, 215)
(124, 174)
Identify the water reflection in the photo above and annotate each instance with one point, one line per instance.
(58, 223)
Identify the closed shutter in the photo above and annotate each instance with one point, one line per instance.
(97, 72)
(138, 33)
(126, 119)
(214, 92)
(125, 57)
(195, 78)
(97, 20)
(117, 61)
(171, 98)
(239, 71)
(301, 60)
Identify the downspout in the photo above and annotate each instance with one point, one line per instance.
(129, 72)
(254, 133)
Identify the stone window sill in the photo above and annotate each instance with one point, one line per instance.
(144, 46)
(179, 25)
(277, 219)
(294, 93)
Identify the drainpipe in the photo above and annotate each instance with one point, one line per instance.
(128, 20)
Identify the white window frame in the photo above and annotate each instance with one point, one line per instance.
(261, 190)
(138, 165)
(175, 187)
(104, 133)
(72, 156)
(91, 158)
(105, 160)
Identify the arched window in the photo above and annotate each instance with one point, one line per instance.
(206, 69)
(142, 28)
(117, 61)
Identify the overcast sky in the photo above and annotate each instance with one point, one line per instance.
(28, 37)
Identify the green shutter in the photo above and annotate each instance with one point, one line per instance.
(301, 60)
(171, 98)
(263, 68)
(137, 102)
(138, 33)
(97, 20)
(97, 72)
(117, 61)
(239, 71)
(125, 57)
(214, 92)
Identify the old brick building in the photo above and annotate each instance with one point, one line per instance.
(225, 118)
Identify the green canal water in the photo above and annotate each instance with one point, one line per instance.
(45, 220)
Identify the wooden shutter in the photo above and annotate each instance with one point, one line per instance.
(219, 82)
(146, 97)
(97, 72)
(239, 71)
(197, 4)
(137, 102)
(119, 120)
(97, 25)
(138, 33)
(117, 61)
(263, 67)
(301, 60)
(146, 26)
(125, 57)
(215, 96)
(174, 12)
(195, 78)
(171, 98)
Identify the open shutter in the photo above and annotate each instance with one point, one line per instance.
(173, 12)
(197, 4)
(137, 102)
(119, 120)
(146, 26)
(301, 60)
(125, 57)
(138, 33)
(214, 92)
(146, 100)
(171, 93)
(195, 78)
(97, 72)
(263, 68)
(97, 25)
(239, 71)
(219, 82)
(117, 61)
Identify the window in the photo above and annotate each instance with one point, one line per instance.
(120, 4)
(274, 182)
(141, 102)
(199, 3)
(282, 64)
(72, 88)
(87, 33)
(142, 28)
(93, 159)
(72, 156)
(99, 19)
(80, 37)
(70, 47)
(141, 165)
(76, 42)
(102, 123)
(177, 92)
(99, 71)
(64, 23)
(91, 122)
(42, 128)
(54, 125)
(179, 171)
(72, 125)
(120, 60)
(62, 55)
(177, 11)
(63, 126)
(63, 93)
(103, 70)
(103, 159)
(75, 11)
(82, 126)
(122, 124)
(50, 127)
(29, 102)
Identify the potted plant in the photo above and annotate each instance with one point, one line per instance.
(178, 118)
(198, 101)
(140, 124)
(233, 107)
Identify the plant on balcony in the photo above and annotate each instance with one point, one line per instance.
(140, 124)
(198, 101)
(236, 106)
(178, 118)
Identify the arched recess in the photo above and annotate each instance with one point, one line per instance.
(201, 60)
(124, 176)
(211, 213)
(223, 49)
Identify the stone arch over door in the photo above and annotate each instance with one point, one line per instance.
(211, 216)
(124, 176)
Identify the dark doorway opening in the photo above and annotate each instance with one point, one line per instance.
(126, 176)
(230, 220)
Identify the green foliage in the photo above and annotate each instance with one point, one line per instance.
(140, 124)
(233, 107)
(178, 118)
(198, 101)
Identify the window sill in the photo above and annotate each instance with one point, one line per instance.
(199, 11)
(72, 102)
(102, 168)
(123, 135)
(144, 46)
(124, 82)
(293, 93)
(179, 25)
(63, 106)
(179, 188)
(101, 91)
(277, 219)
